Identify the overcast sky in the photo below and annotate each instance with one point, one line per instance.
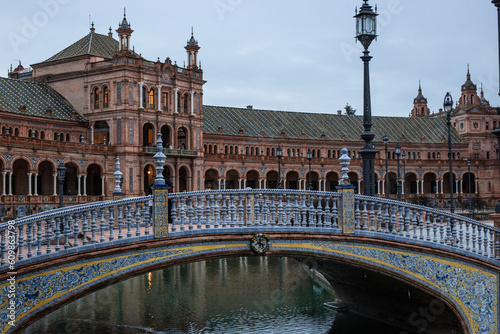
(283, 54)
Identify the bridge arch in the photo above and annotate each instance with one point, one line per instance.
(353, 265)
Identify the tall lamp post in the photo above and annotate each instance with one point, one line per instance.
(279, 154)
(309, 157)
(398, 183)
(386, 140)
(496, 132)
(61, 172)
(366, 32)
(471, 213)
(447, 106)
(403, 155)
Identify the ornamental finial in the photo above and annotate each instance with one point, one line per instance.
(159, 159)
(344, 161)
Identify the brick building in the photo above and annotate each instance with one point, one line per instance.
(98, 99)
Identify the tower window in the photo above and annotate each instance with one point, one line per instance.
(96, 98)
(105, 98)
(151, 99)
(165, 101)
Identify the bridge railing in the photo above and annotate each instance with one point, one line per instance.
(83, 227)
(74, 229)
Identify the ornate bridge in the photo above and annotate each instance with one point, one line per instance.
(50, 259)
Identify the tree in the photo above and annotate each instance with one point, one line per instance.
(349, 110)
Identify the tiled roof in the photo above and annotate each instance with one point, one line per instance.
(93, 44)
(314, 126)
(37, 98)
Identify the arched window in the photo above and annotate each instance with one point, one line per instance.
(56, 136)
(434, 155)
(472, 98)
(179, 102)
(256, 151)
(251, 151)
(226, 150)
(185, 104)
(151, 98)
(231, 150)
(267, 151)
(144, 94)
(439, 156)
(96, 98)
(16, 132)
(165, 101)
(67, 137)
(105, 97)
(42, 135)
(30, 133)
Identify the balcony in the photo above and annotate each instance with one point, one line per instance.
(171, 152)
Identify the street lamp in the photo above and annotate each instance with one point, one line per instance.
(366, 32)
(471, 213)
(398, 183)
(403, 155)
(279, 154)
(386, 140)
(309, 157)
(61, 171)
(447, 106)
(496, 132)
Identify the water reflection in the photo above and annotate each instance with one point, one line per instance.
(234, 295)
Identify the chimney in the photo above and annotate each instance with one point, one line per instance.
(339, 112)
(249, 107)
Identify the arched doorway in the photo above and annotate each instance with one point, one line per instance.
(430, 184)
(252, 179)
(148, 138)
(411, 184)
(332, 180)
(393, 183)
(272, 179)
(292, 180)
(182, 138)
(183, 179)
(20, 170)
(314, 181)
(149, 177)
(165, 136)
(211, 179)
(70, 179)
(232, 179)
(45, 180)
(94, 180)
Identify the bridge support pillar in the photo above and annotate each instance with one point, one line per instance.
(160, 211)
(346, 208)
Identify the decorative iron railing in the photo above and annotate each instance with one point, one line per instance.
(104, 224)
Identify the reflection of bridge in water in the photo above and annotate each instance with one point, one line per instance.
(390, 258)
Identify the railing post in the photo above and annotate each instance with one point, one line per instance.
(160, 193)
(346, 200)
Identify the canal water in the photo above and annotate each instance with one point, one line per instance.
(235, 295)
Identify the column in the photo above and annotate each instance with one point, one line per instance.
(192, 101)
(265, 184)
(403, 186)
(55, 184)
(461, 186)
(359, 186)
(383, 187)
(244, 183)
(102, 185)
(79, 184)
(418, 187)
(92, 134)
(10, 183)
(378, 184)
(141, 98)
(159, 97)
(422, 183)
(456, 187)
(36, 184)
(476, 185)
(442, 186)
(29, 184)
(3, 183)
(175, 100)
(239, 183)
(85, 185)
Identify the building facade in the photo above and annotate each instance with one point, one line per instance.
(98, 99)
